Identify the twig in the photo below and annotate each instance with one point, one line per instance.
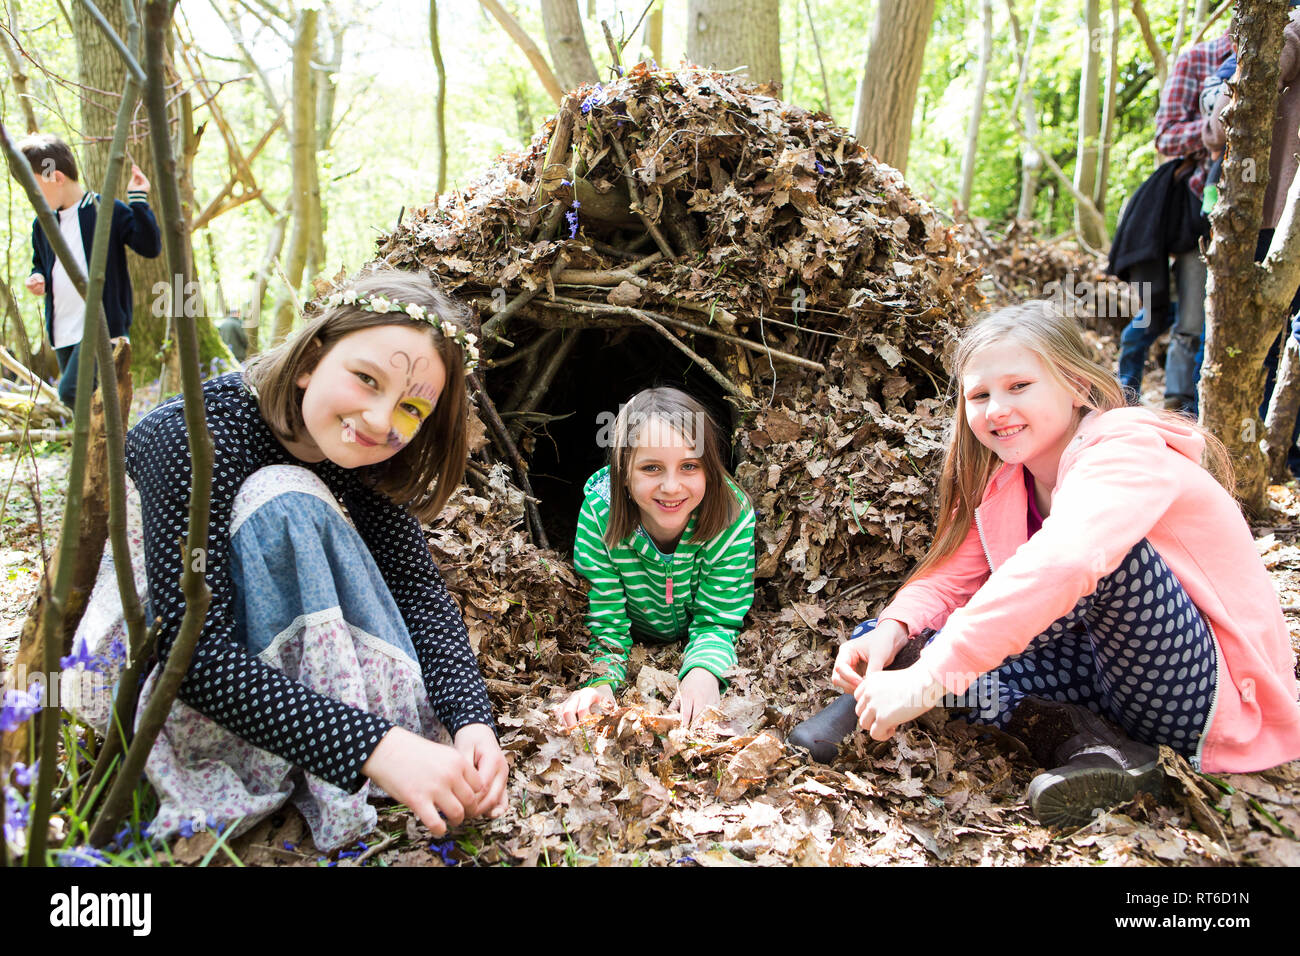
(635, 192)
(158, 22)
(38, 434)
(498, 321)
(705, 364)
(379, 847)
(534, 394)
(512, 452)
(598, 307)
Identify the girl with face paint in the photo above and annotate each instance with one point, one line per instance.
(331, 656)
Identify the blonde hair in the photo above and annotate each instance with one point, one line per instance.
(968, 465)
(435, 458)
(719, 508)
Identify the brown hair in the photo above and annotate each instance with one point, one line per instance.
(968, 466)
(44, 150)
(676, 409)
(435, 458)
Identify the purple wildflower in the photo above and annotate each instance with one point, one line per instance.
(23, 774)
(821, 170)
(572, 217)
(443, 848)
(81, 856)
(596, 97)
(290, 846)
(81, 656)
(19, 706)
(117, 652)
(187, 828)
(15, 817)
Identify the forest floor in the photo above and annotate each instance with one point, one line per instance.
(634, 788)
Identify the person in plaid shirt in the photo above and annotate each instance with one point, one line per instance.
(1179, 127)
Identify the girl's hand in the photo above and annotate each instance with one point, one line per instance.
(696, 693)
(429, 778)
(138, 180)
(584, 701)
(869, 653)
(478, 744)
(886, 699)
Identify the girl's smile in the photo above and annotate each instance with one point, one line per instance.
(1017, 408)
(368, 396)
(666, 481)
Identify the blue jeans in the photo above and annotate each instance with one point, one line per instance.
(1134, 343)
(67, 358)
(1186, 344)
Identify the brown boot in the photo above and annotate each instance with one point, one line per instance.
(1097, 765)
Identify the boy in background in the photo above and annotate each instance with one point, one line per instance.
(76, 210)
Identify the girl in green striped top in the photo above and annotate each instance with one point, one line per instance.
(666, 538)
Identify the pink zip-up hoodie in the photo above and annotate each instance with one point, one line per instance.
(1126, 475)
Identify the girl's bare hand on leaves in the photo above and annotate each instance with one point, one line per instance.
(886, 699)
(585, 701)
(696, 693)
(478, 744)
(867, 654)
(429, 778)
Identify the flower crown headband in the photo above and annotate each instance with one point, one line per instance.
(468, 341)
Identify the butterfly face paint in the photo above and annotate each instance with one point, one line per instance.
(416, 404)
(411, 412)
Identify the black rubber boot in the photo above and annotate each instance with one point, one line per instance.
(823, 732)
(1096, 764)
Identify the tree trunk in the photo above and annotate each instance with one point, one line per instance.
(882, 113)
(303, 152)
(1085, 159)
(1245, 300)
(1031, 161)
(1108, 110)
(654, 34)
(731, 34)
(568, 44)
(100, 68)
(1282, 409)
(977, 109)
(440, 103)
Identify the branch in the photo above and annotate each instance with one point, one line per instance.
(197, 596)
(1085, 203)
(526, 44)
(512, 452)
(1153, 45)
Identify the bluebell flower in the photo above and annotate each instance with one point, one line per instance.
(572, 217)
(187, 828)
(349, 854)
(290, 846)
(24, 775)
(117, 652)
(15, 817)
(443, 848)
(19, 706)
(821, 170)
(80, 656)
(82, 856)
(596, 97)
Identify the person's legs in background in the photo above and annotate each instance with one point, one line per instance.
(1181, 370)
(1152, 280)
(67, 357)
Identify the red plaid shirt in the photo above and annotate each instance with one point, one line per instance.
(1179, 121)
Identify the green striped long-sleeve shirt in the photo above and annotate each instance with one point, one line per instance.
(712, 588)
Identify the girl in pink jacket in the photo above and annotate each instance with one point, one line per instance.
(1098, 581)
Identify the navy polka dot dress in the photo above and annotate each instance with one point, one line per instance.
(227, 683)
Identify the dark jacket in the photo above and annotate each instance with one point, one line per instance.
(1162, 218)
(133, 226)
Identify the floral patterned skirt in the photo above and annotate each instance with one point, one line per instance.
(308, 604)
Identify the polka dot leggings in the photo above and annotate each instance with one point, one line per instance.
(1136, 650)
